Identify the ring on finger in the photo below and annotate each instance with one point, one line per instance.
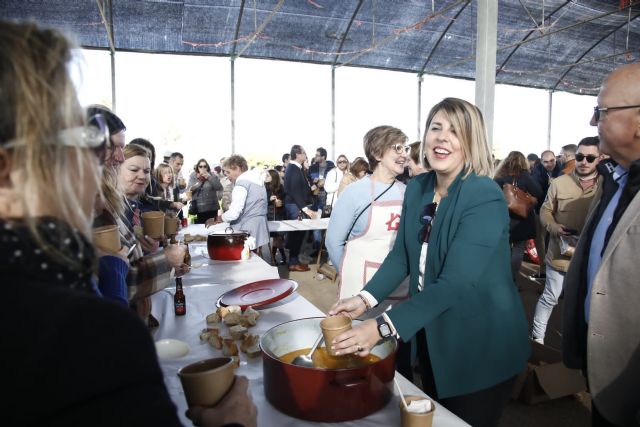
(359, 348)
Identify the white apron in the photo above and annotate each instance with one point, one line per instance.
(363, 254)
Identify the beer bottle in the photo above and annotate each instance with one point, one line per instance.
(187, 255)
(179, 301)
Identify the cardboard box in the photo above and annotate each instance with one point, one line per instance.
(546, 377)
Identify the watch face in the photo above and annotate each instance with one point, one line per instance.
(385, 331)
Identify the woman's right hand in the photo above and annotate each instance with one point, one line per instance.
(175, 254)
(353, 307)
(149, 245)
(236, 407)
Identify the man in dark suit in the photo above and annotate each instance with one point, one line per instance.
(602, 291)
(296, 203)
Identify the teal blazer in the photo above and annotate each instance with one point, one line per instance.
(470, 308)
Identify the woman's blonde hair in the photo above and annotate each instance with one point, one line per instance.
(38, 102)
(513, 165)
(468, 123)
(160, 170)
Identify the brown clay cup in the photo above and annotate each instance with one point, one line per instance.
(332, 327)
(107, 238)
(153, 224)
(170, 225)
(206, 382)
(413, 419)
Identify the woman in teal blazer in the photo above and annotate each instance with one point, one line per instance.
(464, 313)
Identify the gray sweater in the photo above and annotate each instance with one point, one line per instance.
(205, 192)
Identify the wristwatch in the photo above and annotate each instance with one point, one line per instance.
(383, 327)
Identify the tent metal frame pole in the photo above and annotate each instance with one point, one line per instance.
(113, 59)
(333, 112)
(233, 106)
(549, 119)
(487, 25)
(420, 80)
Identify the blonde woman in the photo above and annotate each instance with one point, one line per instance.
(104, 357)
(334, 178)
(453, 242)
(165, 177)
(357, 170)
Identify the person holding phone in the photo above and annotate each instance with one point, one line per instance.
(563, 214)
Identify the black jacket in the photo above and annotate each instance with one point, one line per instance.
(296, 187)
(72, 358)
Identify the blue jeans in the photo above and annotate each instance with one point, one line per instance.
(548, 300)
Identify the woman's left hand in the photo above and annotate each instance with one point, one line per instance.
(352, 307)
(358, 340)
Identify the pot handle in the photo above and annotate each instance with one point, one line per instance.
(349, 382)
(226, 230)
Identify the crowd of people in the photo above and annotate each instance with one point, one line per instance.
(421, 234)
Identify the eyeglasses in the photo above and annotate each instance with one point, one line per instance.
(598, 110)
(93, 136)
(590, 157)
(426, 219)
(401, 148)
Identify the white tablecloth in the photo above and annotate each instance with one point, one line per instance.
(274, 226)
(202, 288)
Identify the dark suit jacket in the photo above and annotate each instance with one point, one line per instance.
(296, 187)
(611, 340)
(74, 359)
(474, 321)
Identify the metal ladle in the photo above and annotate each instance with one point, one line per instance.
(305, 360)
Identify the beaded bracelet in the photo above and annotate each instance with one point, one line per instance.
(364, 300)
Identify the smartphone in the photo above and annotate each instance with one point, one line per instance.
(131, 250)
(572, 231)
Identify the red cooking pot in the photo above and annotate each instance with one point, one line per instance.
(227, 246)
(327, 395)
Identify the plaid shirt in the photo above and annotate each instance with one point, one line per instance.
(148, 274)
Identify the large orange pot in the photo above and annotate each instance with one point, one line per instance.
(327, 395)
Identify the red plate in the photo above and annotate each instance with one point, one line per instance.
(258, 293)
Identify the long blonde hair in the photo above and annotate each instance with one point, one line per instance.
(467, 120)
(38, 102)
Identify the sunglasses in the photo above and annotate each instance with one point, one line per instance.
(598, 110)
(202, 166)
(342, 162)
(590, 157)
(426, 219)
(401, 148)
(93, 136)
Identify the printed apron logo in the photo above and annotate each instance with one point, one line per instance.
(394, 222)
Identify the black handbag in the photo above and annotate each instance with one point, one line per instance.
(193, 207)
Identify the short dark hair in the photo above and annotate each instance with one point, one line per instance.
(285, 157)
(176, 155)
(295, 150)
(279, 168)
(590, 141)
(322, 152)
(149, 146)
